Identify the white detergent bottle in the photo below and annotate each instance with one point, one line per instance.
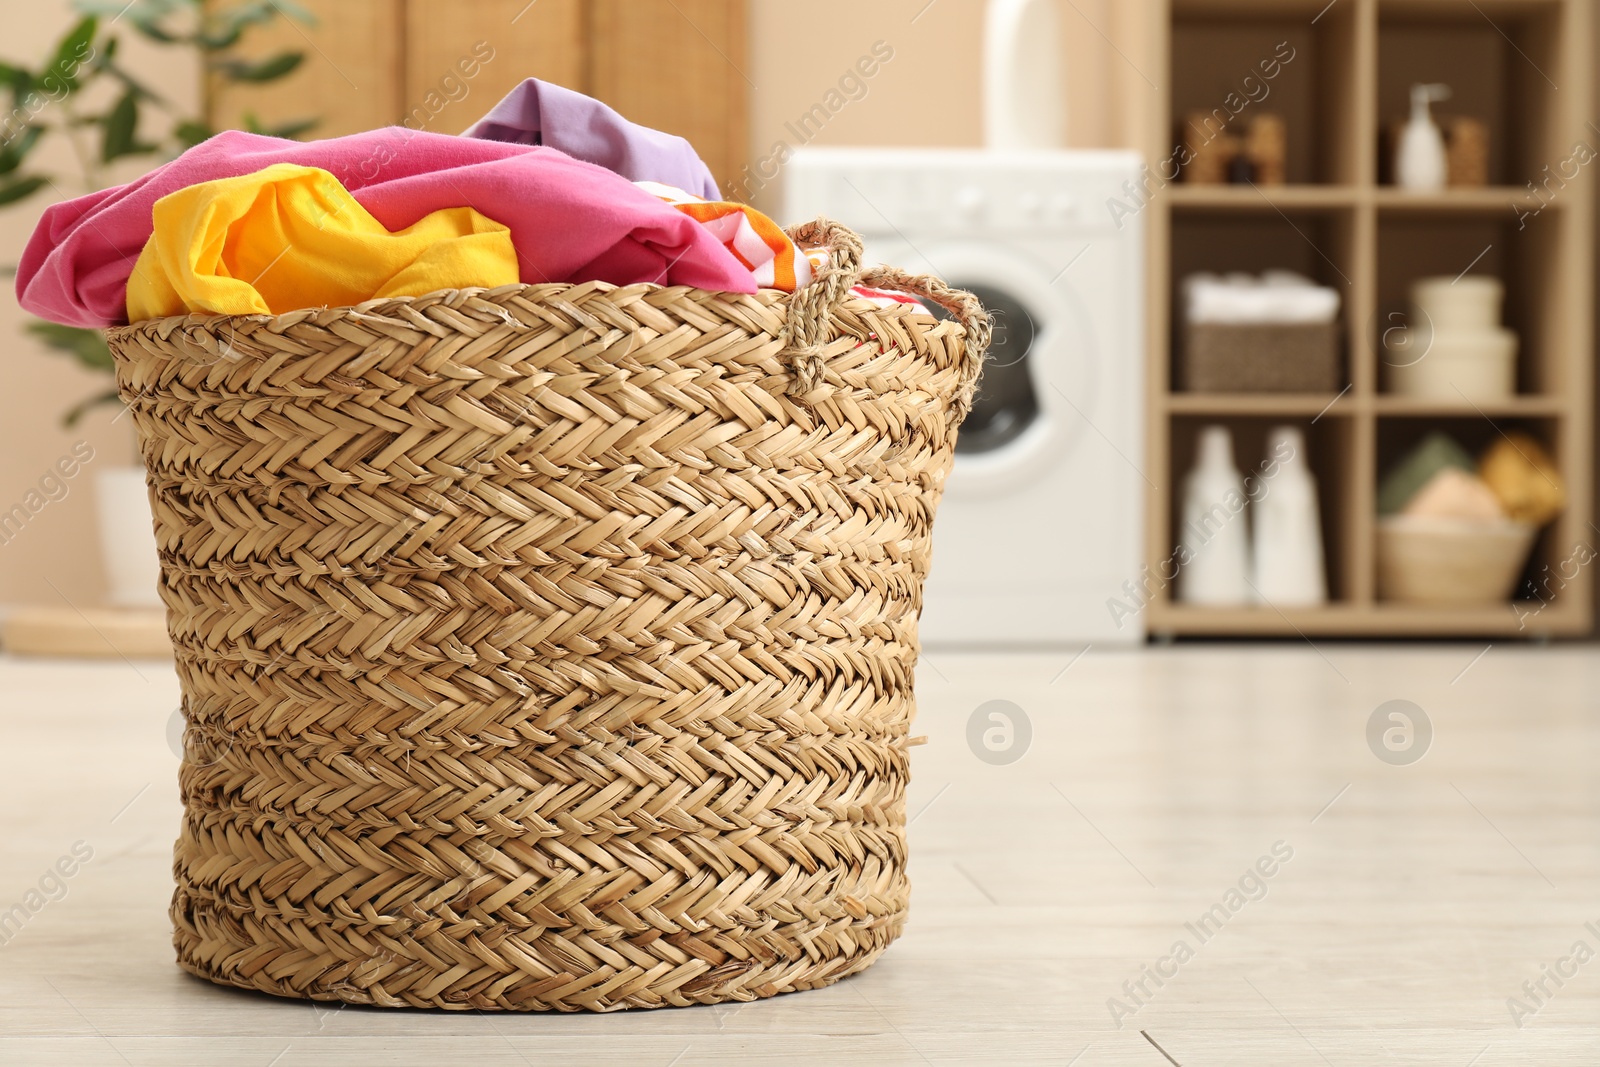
(1287, 565)
(1024, 88)
(1420, 159)
(1215, 541)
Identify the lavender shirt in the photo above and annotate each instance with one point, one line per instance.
(537, 112)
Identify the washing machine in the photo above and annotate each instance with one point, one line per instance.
(1041, 522)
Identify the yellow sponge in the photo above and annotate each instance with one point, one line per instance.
(1524, 477)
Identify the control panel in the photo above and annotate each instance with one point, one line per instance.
(958, 190)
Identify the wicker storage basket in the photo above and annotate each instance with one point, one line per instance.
(550, 646)
(1286, 357)
(1451, 561)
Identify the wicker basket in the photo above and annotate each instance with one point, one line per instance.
(550, 646)
(1282, 357)
(1451, 561)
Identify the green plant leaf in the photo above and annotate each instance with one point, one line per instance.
(17, 149)
(286, 130)
(76, 413)
(155, 31)
(121, 129)
(139, 88)
(88, 347)
(145, 16)
(72, 47)
(192, 132)
(71, 51)
(115, 8)
(265, 70)
(223, 26)
(292, 10)
(289, 131)
(18, 79)
(222, 29)
(20, 188)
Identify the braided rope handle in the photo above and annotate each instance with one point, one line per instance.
(963, 307)
(808, 325)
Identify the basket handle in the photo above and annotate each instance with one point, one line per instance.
(811, 306)
(963, 307)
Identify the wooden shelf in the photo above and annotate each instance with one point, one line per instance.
(1368, 620)
(1488, 200)
(1450, 11)
(1517, 406)
(1485, 200)
(1286, 404)
(1263, 197)
(1333, 221)
(1351, 403)
(1276, 10)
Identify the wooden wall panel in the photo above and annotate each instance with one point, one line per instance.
(676, 65)
(543, 40)
(350, 78)
(679, 66)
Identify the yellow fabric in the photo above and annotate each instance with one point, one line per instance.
(290, 237)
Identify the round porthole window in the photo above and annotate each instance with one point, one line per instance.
(1006, 404)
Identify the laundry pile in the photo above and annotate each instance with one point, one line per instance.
(1457, 531)
(1514, 479)
(550, 186)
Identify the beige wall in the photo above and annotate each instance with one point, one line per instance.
(927, 94)
(56, 555)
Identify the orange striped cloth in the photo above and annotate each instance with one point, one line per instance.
(753, 238)
(760, 244)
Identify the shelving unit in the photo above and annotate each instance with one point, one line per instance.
(1519, 65)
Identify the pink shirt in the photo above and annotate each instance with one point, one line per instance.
(570, 221)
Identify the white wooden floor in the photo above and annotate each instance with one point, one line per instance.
(1418, 899)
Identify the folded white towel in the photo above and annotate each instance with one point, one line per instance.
(1276, 296)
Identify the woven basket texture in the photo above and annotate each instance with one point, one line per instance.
(1260, 357)
(548, 646)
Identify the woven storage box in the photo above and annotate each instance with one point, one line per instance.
(1225, 357)
(550, 646)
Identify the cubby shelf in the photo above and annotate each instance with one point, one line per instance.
(1521, 619)
(1261, 197)
(1290, 405)
(1489, 200)
(1285, 404)
(1335, 221)
(1526, 406)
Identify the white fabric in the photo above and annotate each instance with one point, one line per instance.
(1276, 296)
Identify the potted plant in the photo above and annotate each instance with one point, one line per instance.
(82, 93)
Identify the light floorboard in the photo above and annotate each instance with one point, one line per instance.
(1417, 901)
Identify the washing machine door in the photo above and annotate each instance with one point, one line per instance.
(1007, 402)
(1039, 524)
(1040, 367)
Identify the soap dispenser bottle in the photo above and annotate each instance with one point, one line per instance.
(1287, 564)
(1420, 162)
(1215, 542)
